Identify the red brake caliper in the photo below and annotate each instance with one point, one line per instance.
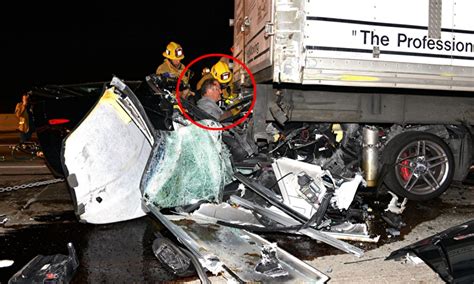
(404, 170)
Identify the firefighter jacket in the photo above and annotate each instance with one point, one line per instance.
(173, 72)
(22, 113)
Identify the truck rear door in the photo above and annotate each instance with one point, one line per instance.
(252, 34)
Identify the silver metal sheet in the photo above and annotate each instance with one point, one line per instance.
(287, 221)
(104, 158)
(238, 250)
(241, 216)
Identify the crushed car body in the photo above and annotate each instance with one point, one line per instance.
(126, 167)
(123, 161)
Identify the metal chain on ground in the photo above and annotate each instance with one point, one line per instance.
(30, 185)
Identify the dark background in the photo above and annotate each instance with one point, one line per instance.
(78, 41)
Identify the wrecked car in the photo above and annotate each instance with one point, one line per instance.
(119, 166)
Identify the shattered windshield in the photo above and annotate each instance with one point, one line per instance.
(187, 165)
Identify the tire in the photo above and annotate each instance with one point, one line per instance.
(420, 165)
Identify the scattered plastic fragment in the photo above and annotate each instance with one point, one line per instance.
(56, 268)
(269, 264)
(172, 257)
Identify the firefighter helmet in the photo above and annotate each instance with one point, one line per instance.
(221, 72)
(173, 51)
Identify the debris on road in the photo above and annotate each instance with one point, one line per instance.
(393, 232)
(57, 268)
(171, 256)
(3, 219)
(270, 264)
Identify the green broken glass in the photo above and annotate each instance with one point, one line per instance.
(187, 165)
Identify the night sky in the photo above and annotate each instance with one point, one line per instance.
(77, 41)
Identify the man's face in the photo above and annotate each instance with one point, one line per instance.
(216, 92)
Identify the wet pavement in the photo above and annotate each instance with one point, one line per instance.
(116, 253)
(41, 221)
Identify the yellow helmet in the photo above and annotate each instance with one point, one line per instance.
(221, 72)
(173, 51)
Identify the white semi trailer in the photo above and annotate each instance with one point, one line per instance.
(401, 71)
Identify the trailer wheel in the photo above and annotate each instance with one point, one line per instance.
(420, 165)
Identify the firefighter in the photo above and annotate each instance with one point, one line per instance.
(172, 67)
(25, 118)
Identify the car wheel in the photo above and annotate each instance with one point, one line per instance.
(420, 165)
